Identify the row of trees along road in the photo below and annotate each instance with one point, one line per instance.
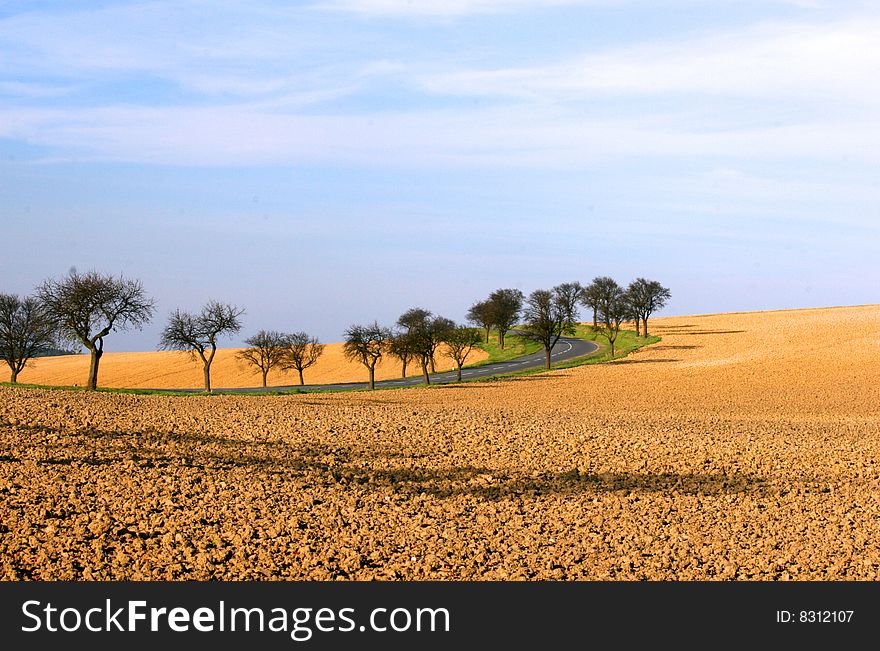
(417, 338)
(85, 308)
(549, 314)
(269, 349)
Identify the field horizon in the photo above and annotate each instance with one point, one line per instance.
(743, 446)
(179, 370)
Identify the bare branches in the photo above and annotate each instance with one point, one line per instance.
(549, 314)
(505, 306)
(26, 329)
(646, 297)
(481, 314)
(613, 310)
(88, 307)
(402, 347)
(266, 350)
(300, 352)
(367, 344)
(459, 342)
(199, 333)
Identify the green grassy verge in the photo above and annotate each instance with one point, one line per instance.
(514, 346)
(626, 343)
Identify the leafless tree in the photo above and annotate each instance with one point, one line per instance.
(87, 307)
(590, 300)
(199, 333)
(550, 314)
(266, 350)
(505, 306)
(367, 344)
(301, 352)
(646, 297)
(26, 330)
(401, 346)
(426, 334)
(460, 341)
(612, 313)
(481, 314)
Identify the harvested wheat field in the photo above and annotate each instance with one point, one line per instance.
(742, 446)
(177, 370)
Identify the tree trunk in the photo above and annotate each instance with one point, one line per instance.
(14, 379)
(372, 377)
(403, 372)
(501, 338)
(637, 326)
(433, 369)
(425, 373)
(207, 368)
(301, 380)
(595, 316)
(487, 334)
(645, 322)
(612, 349)
(93, 368)
(265, 373)
(459, 373)
(547, 358)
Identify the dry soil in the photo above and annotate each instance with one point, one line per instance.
(742, 446)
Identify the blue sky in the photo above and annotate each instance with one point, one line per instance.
(329, 162)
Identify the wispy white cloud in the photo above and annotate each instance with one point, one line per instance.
(837, 61)
(244, 135)
(445, 8)
(263, 93)
(458, 8)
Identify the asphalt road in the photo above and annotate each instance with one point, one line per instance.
(566, 348)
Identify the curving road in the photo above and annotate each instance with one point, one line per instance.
(566, 348)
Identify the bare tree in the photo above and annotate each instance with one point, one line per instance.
(367, 344)
(590, 298)
(413, 318)
(424, 339)
(266, 350)
(550, 314)
(646, 297)
(505, 306)
(401, 346)
(612, 313)
(26, 330)
(301, 352)
(426, 333)
(199, 333)
(460, 341)
(88, 307)
(599, 294)
(481, 314)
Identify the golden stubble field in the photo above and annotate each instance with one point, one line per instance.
(178, 370)
(742, 446)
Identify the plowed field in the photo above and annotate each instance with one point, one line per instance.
(742, 446)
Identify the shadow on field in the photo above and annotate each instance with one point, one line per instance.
(339, 467)
(711, 332)
(645, 361)
(488, 484)
(682, 347)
